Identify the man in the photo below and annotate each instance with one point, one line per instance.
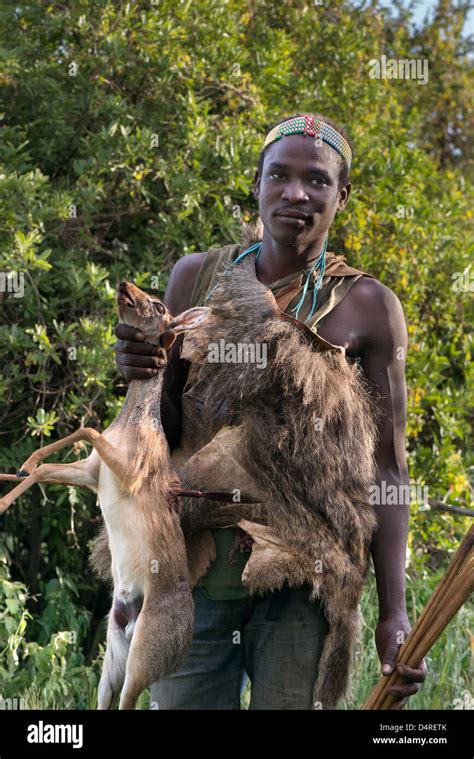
(302, 181)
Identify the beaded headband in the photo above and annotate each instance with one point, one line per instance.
(315, 128)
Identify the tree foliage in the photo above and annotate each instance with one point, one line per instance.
(130, 136)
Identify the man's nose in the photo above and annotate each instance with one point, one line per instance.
(294, 191)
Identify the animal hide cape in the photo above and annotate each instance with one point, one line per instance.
(299, 437)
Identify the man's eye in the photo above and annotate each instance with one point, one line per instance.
(159, 307)
(279, 175)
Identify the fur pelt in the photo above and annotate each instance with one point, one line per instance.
(307, 426)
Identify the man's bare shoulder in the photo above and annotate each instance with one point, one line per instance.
(374, 295)
(378, 308)
(373, 290)
(182, 280)
(187, 266)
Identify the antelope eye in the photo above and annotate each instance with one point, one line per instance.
(159, 307)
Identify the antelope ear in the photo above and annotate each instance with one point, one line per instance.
(167, 339)
(190, 319)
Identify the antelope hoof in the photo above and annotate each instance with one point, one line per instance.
(22, 473)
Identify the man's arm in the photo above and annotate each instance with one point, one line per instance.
(383, 361)
(382, 357)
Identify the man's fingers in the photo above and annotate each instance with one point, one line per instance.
(397, 705)
(131, 372)
(390, 659)
(124, 332)
(400, 691)
(143, 362)
(138, 349)
(411, 675)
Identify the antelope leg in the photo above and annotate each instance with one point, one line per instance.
(41, 453)
(115, 458)
(77, 473)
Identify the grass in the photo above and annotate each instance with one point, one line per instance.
(448, 685)
(449, 662)
(449, 682)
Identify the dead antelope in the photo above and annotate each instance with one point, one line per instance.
(151, 619)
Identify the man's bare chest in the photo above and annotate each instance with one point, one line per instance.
(345, 326)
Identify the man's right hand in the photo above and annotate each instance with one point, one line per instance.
(137, 359)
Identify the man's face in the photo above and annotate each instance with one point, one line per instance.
(298, 176)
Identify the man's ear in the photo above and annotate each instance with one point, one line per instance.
(256, 185)
(344, 197)
(190, 319)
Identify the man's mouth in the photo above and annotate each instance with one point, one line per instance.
(298, 218)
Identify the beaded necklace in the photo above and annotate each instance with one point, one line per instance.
(320, 261)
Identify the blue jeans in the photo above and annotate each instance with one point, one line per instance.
(276, 640)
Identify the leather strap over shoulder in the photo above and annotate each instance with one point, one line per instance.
(338, 280)
(215, 261)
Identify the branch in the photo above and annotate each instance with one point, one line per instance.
(440, 506)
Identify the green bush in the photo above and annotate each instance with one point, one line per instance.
(130, 137)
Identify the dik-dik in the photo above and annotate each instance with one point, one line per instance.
(151, 619)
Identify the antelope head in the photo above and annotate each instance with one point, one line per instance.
(149, 314)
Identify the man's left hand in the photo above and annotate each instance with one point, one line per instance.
(390, 633)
